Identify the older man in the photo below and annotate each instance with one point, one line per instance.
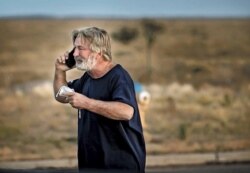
(109, 127)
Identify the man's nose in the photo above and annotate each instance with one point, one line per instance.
(76, 52)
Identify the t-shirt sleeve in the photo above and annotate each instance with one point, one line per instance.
(123, 90)
(75, 84)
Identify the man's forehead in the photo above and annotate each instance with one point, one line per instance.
(81, 41)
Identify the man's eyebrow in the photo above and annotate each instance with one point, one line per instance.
(81, 47)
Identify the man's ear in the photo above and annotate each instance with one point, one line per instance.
(100, 54)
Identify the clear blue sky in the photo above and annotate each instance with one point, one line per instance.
(126, 8)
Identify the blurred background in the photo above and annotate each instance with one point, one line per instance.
(191, 56)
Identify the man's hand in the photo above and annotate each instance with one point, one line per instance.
(77, 100)
(60, 62)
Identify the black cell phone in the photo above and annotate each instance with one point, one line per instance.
(70, 62)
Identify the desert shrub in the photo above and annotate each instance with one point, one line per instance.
(182, 131)
(125, 35)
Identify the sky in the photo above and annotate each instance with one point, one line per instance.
(125, 8)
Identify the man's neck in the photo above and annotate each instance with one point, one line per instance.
(101, 69)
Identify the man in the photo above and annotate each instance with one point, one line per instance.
(109, 126)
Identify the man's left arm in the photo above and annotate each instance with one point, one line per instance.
(110, 109)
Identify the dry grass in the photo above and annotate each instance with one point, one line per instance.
(200, 86)
(198, 120)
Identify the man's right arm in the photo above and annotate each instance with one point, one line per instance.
(59, 81)
(60, 77)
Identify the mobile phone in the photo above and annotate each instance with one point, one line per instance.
(70, 62)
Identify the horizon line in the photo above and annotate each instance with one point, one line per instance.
(44, 16)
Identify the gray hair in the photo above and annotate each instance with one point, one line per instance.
(98, 38)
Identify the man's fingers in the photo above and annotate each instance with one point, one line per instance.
(69, 94)
(66, 55)
(66, 99)
(62, 58)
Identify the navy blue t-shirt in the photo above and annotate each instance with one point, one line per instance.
(104, 143)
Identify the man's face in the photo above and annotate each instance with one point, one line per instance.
(85, 58)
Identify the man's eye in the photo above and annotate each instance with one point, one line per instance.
(82, 48)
